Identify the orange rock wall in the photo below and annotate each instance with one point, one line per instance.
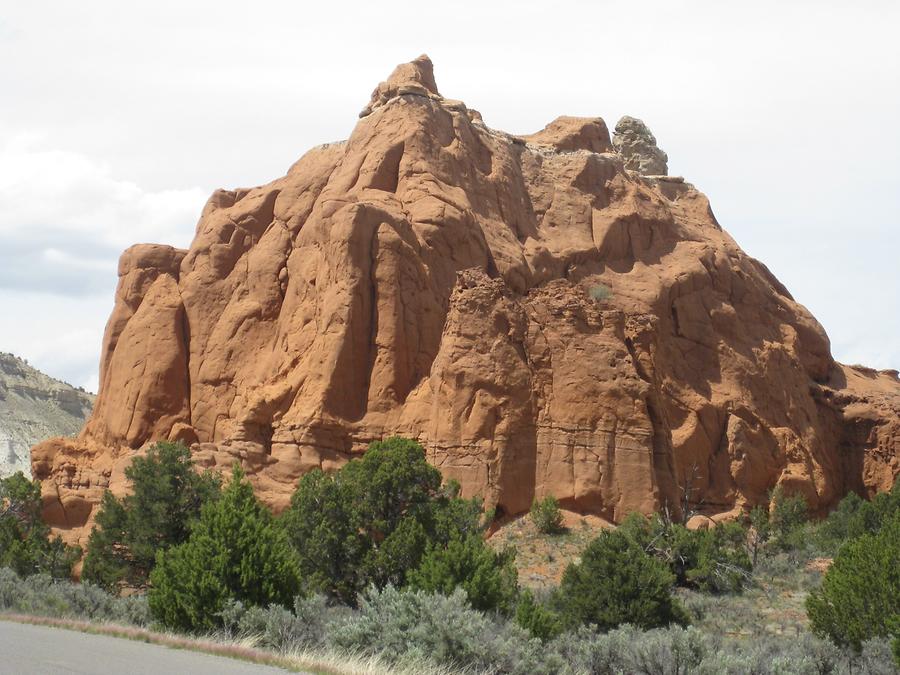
(435, 278)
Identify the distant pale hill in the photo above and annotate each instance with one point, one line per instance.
(33, 408)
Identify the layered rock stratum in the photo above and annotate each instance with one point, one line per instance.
(541, 317)
(33, 408)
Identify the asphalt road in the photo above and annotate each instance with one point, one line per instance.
(26, 649)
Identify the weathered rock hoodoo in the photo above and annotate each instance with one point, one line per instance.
(544, 319)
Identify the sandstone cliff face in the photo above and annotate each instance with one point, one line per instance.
(543, 319)
(33, 408)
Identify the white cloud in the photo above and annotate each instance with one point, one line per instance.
(64, 218)
(71, 194)
(58, 335)
(56, 257)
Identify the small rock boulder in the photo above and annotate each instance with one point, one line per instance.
(567, 134)
(633, 140)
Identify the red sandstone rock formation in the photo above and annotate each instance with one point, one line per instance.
(543, 320)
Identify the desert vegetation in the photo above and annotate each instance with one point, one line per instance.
(163, 505)
(382, 559)
(546, 515)
(25, 543)
(600, 293)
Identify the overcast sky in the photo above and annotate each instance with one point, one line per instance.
(117, 119)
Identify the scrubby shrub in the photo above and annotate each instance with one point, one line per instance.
(721, 612)
(43, 596)
(315, 614)
(600, 293)
(403, 626)
(617, 582)
(787, 570)
(895, 644)
(489, 578)
(713, 560)
(874, 659)
(229, 617)
(662, 651)
(771, 656)
(371, 522)
(782, 525)
(166, 497)
(320, 526)
(678, 651)
(546, 516)
(407, 625)
(787, 516)
(235, 551)
(537, 618)
(718, 560)
(855, 517)
(860, 595)
(843, 523)
(584, 650)
(276, 628)
(675, 650)
(759, 533)
(25, 544)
